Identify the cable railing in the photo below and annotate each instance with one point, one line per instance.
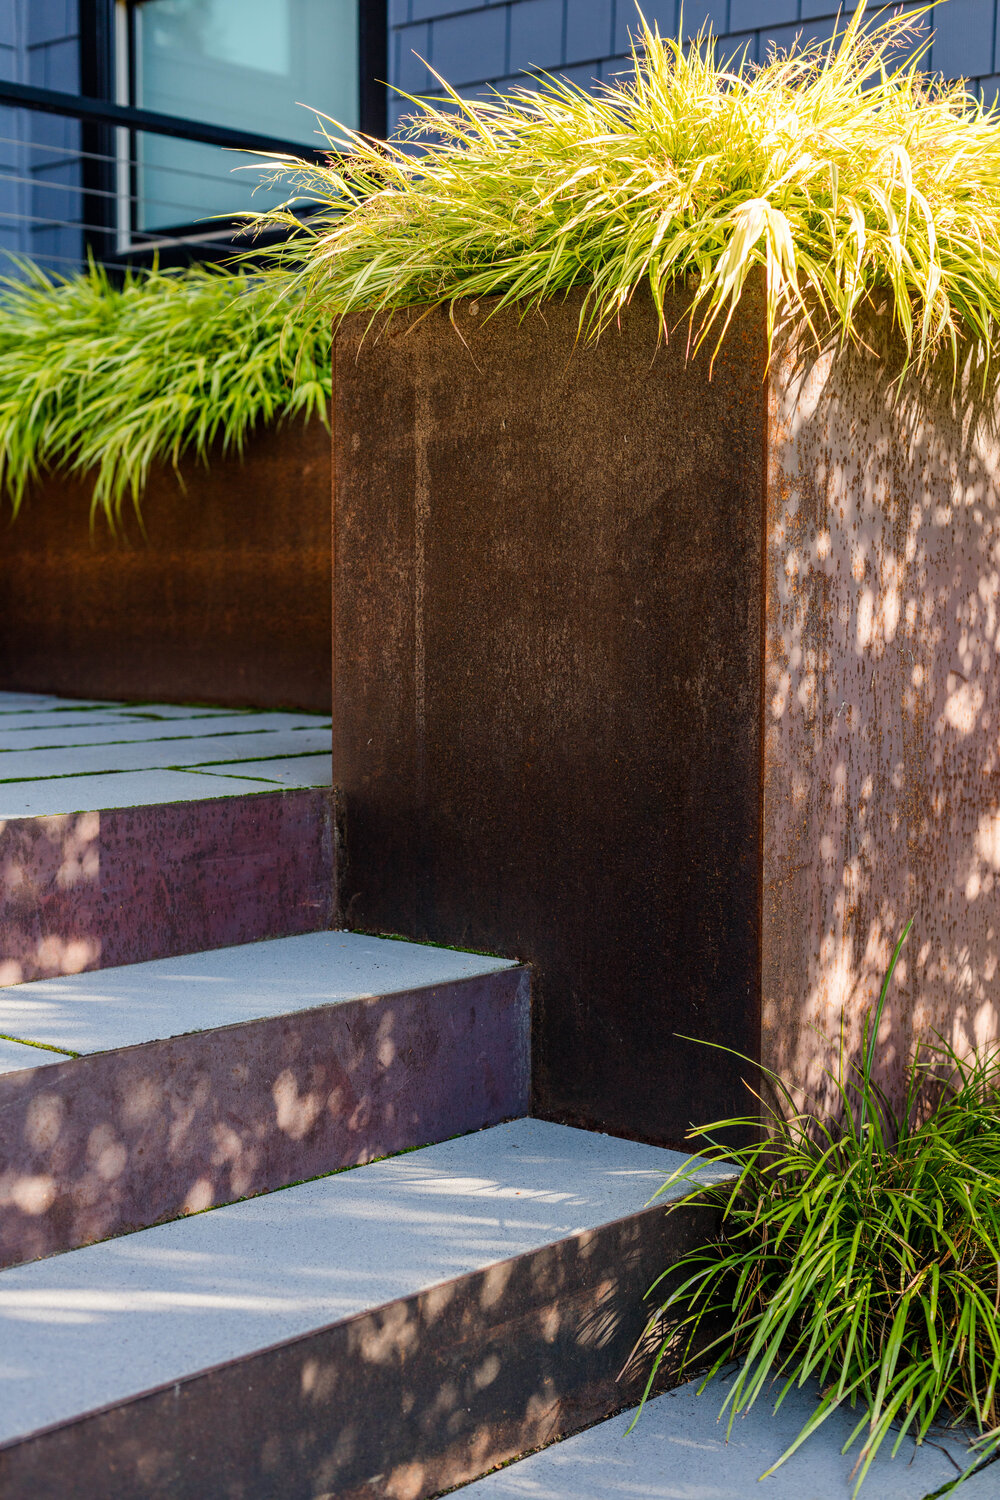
(85, 178)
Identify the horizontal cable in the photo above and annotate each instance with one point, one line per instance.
(155, 236)
(70, 154)
(99, 111)
(41, 255)
(41, 184)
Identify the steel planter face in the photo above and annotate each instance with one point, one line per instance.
(881, 713)
(547, 683)
(679, 688)
(223, 598)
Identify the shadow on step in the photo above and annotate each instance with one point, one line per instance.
(100, 1145)
(92, 890)
(397, 1403)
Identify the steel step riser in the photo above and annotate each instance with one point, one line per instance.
(116, 1141)
(94, 890)
(394, 1404)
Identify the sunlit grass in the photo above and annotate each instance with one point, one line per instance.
(860, 1250)
(107, 381)
(839, 170)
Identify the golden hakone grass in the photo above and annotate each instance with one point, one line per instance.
(106, 380)
(840, 170)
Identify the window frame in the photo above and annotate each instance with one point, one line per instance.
(110, 179)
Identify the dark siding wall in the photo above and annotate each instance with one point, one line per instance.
(11, 150)
(53, 62)
(473, 43)
(39, 44)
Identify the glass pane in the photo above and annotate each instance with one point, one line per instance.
(251, 64)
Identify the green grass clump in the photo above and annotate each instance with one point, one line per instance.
(839, 169)
(860, 1251)
(106, 381)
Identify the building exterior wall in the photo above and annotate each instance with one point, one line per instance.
(39, 154)
(481, 43)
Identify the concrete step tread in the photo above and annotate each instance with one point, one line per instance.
(63, 796)
(15, 1056)
(679, 1449)
(60, 757)
(167, 997)
(99, 1325)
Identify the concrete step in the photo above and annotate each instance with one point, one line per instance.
(387, 1331)
(133, 1095)
(679, 1449)
(136, 831)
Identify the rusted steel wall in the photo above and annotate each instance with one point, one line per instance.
(547, 683)
(226, 599)
(882, 714)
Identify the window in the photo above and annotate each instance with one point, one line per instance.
(246, 64)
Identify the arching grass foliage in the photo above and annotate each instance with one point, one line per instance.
(837, 168)
(861, 1251)
(106, 380)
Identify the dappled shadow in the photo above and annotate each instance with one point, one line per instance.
(102, 1144)
(93, 889)
(45, 863)
(368, 1335)
(881, 709)
(681, 1450)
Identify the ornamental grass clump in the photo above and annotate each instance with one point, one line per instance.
(838, 169)
(106, 379)
(859, 1251)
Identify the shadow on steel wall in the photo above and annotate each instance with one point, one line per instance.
(882, 711)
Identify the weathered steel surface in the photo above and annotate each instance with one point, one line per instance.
(547, 682)
(882, 714)
(94, 889)
(226, 599)
(396, 1404)
(101, 1145)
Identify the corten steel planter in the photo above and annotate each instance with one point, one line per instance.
(225, 599)
(678, 688)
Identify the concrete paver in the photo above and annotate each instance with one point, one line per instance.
(49, 735)
(299, 770)
(165, 997)
(678, 1451)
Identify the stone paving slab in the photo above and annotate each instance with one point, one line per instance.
(62, 795)
(43, 702)
(194, 751)
(300, 770)
(182, 711)
(15, 1057)
(112, 1320)
(98, 1011)
(66, 719)
(678, 1451)
(68, 715)
(47, 735)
